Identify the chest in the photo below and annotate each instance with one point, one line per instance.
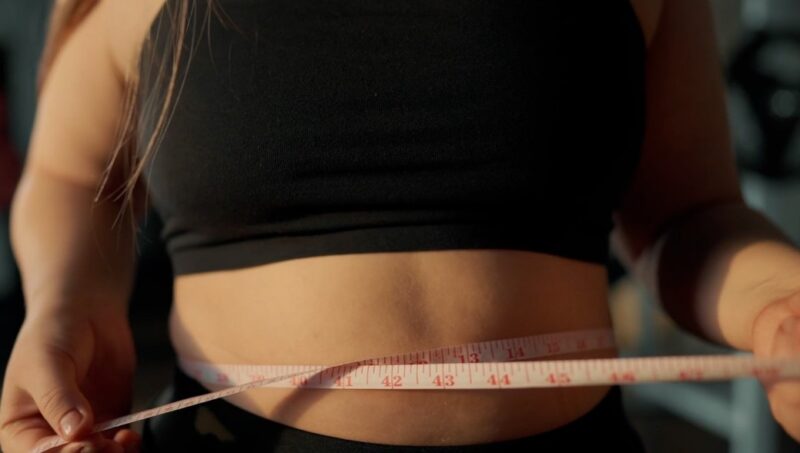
(357, 104)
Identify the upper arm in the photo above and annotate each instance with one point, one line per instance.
(687, 159)
(78, 106)
(81, 103)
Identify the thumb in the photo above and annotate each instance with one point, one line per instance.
(54, 389)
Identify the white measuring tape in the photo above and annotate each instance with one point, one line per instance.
(499, 364)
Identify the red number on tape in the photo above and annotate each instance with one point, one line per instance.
(446, 380)
(503, 380)
(473, 357)
(627, 376)
(392, 381)
(558, 378)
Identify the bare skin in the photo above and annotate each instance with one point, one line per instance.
(331, 309)
(335, 309)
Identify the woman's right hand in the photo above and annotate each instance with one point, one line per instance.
(69, 370)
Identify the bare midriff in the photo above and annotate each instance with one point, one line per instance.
(338, 308)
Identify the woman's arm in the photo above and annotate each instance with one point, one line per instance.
(76, 265)
(713, 263)
(67, 250)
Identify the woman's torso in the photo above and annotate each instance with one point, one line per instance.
(336, 308)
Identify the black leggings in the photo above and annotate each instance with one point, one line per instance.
(219, 426)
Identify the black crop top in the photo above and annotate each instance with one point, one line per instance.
(319, 127)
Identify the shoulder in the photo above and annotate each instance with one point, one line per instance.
(129, 23)
(80, 105)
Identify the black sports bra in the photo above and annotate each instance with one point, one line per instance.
(319, 127)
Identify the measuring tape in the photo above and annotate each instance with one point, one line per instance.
(498, 364)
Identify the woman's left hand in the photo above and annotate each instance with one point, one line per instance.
(776, 334)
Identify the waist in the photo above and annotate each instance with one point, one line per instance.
(333, 309)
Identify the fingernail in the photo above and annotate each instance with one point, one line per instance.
(71, 421)
(88, 449)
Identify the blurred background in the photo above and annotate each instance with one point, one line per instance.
(759, 41)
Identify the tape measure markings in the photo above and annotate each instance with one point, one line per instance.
(448, 369)
(514, 349)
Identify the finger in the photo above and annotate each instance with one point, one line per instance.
(769, 322)
(129, 439)
(22, 436)
(786, 340)
(785, 344)
(54, 389)
(788, 418)
(112, 447)
(126, 438)
(74, 447)
(22, 425)
(94, 443)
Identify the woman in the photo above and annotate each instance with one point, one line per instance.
(344, 180)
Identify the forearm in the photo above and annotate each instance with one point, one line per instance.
(66, 248)
(714, 271)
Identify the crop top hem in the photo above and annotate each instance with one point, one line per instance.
(264, 250)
